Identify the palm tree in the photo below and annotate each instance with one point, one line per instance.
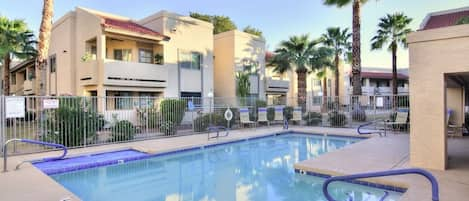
(321, 63)
(339, 41)
(295, 54)
(44, 39)
(356, 55)
(15, 41)
(392, 32)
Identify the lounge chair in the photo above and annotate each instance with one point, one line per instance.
(244, 117)
(374, 127)
(297, 113)
(262, 115)
(402, 116)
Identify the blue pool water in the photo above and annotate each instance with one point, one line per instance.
(255, 170)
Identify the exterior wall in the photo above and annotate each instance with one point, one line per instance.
(433, 53)
(187, 35)
(224, 75)
(232, 49)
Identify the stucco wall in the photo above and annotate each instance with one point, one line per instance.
(433, 53)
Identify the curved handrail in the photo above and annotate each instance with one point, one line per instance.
(216, 129)
(5, 150)
(360, 127)
(426, 174)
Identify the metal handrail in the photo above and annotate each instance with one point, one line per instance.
(426, 174)
(359, 131)
(5, 150)
(217, 129)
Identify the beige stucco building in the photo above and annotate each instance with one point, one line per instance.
(101, 54)
(236, 51)
(439, 77)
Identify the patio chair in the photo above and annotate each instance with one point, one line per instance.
(244, 117)
(278, 113)
(453, 129)
(402, 116)
(262, 115)
(297, 113)
(373, 127)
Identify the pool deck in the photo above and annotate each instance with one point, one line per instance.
(375, 154)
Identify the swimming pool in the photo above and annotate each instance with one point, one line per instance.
(252, 170)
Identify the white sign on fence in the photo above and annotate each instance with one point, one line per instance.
(50, 103)
(379, 102)
(14, 107)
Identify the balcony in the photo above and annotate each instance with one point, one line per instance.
(277, 85)
(88, 72)
(29, 87)
(122, 73)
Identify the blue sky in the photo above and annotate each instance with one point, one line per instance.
(277, 19)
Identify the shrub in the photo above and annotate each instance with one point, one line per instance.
(168, 128)
(358, 115)
(270, 113)
(337, 119)
(172, 113)
(312, 118)
(149, 117)
(72, 124)
(403, 101)
(288, 112)
(123, 131)
(332, 105)
(202, 122)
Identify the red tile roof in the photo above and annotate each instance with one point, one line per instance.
(444, 20)
(130, 26)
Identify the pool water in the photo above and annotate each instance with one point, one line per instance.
(254, 170)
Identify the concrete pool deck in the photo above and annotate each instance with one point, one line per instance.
(375, 154)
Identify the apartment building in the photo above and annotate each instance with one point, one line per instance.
(236, 51)
(23, 78)
(378, 81)
(101, 54)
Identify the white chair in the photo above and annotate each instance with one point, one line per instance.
(262, 115)
(244, 117)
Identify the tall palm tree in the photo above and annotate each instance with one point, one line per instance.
(296, 54)
(392, 32)
(15, 41)
(44, 40)
(356, 55)
(339, 41)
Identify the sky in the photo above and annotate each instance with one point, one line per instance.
(277, 19)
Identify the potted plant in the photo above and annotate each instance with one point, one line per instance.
(158, 59)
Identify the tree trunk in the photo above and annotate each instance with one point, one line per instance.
(324, 93)
(44, 40)
(336, 75)
(6, 74)
(394, 70)
(356, 60)
(301, 89)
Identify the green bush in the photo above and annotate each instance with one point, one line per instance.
(202, 122)
(288, 112)
(337, 119)
(403, 101)
(73, 123)
(312, 118)
(332, 105)
(172, 113)
(168, 128)
(123, 131)
(358, 115)
(270, 113)
(149, 117)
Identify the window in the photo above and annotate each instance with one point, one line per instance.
(145, 56)
(329, 82)
(13, 78)
(317, 83)
(195, 97)
(53, 64)
(191, 60)
(123, 54)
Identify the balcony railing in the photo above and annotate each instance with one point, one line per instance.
(124, 73)
(381, 90)
(277, 85)
(29, 87)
